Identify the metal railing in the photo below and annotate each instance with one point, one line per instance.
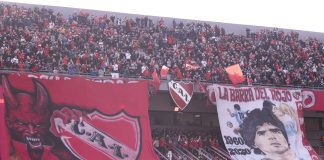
(221, 152)
(160, 154)
(184, 154)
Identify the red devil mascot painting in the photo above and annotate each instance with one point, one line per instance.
(56, 119)
(27, 118)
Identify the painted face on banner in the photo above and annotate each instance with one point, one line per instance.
(27, 116)
(30, 127)
(270, 139)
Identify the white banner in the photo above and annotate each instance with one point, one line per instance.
(262, 123)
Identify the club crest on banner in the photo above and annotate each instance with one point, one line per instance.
(181, 93)
(97, 133)
(308, 99)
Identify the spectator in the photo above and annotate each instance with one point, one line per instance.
(185, 140)
(169, 154)
(36, 39)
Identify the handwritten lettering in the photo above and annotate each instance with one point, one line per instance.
(224, 94)
(241, 95)
(261, 93)
(280, 95)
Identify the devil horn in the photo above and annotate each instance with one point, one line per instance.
(41, 97)
(9, 97)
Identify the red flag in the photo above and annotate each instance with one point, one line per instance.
(164, 71)
(114, 117)
(156, 80)
(201, 87)
(178, 73)
(235, 74)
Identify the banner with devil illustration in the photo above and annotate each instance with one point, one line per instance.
(260, 123)
(62, 118)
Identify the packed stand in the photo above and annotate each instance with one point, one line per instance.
(41, 39)
(187, 143)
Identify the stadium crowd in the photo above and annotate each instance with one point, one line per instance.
(41, 39)
(167, 139)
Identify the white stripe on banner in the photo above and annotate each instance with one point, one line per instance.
(176, 87)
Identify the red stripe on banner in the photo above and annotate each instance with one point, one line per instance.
(177, 100)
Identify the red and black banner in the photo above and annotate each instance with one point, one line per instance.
(50, 117)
